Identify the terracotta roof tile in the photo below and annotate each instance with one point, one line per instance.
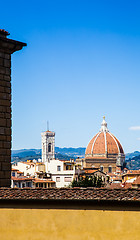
(127, 185)
(23, 178)
(89, 147)
(37, 180)
(137, 181)
(111, 145)
(19, 172)
(4, 32)
(99, 144)
(120, 146)
(115, 186)
(70, 194)
(129, 173)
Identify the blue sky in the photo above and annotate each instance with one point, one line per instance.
(82, 61)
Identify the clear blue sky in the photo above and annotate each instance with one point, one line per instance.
(82, 62)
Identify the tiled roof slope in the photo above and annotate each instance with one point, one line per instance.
(70, 194)
(137, 181)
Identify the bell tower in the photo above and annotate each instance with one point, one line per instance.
(48, 146)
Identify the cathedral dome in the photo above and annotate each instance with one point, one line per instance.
(104, 144)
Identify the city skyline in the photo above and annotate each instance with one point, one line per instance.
(81, 63)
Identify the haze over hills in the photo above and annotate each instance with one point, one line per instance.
(132, 159)
(60, 153)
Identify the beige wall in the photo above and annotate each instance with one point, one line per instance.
(40, 224)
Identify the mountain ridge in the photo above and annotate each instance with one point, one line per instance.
(132, 159)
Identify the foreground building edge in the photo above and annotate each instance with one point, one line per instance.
(7, 47)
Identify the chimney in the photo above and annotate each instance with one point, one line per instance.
(7, 47)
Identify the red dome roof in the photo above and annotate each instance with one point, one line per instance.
(104, 144)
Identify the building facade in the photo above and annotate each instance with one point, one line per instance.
(62, 172)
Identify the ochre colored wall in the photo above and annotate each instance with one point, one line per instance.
(38, 224)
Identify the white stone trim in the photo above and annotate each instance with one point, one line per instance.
(94, 142)
(105, 142)
(115, 142)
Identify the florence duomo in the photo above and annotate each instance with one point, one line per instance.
(70, 62)
(104, 156)
(104, 151)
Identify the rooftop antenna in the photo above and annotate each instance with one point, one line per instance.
(47, 125)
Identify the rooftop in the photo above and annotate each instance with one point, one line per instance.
(97, 194)
(137, 181)
(39, 180)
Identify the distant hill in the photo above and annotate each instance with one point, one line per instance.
(131, 155)
(132, 159)
(73, 152)
(133, 162)
(60, 153)
(26, 152)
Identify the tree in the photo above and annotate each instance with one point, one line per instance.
(88, 181)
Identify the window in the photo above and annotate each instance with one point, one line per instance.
(57, 179)
(110, 169)
(67, 179)
(101, 168)
(41, 185)
(28, 184)
(69, 167)
(58, 168)
(13, 174)
(49, 147)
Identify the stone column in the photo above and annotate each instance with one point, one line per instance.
(7, 47)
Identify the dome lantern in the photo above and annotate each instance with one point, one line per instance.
(104, 125)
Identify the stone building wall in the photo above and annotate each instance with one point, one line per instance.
(5, 118)
(105, 163)
(7, 47)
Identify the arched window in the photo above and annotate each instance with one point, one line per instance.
(101, 168)
(110, 169)
(49, 147)
(58, 168)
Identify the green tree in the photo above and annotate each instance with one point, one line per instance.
(88, 181)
